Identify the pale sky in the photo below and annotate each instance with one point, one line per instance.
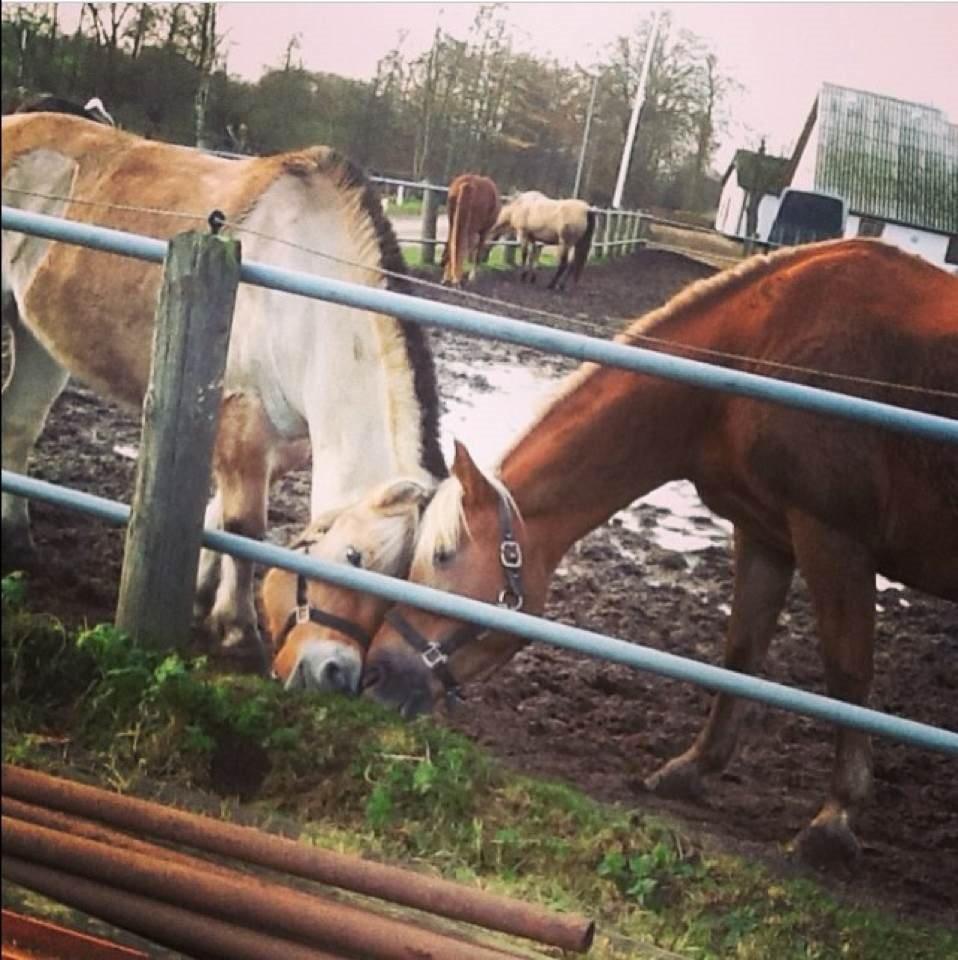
(780, 52)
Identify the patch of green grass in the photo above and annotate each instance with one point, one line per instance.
(357, 778)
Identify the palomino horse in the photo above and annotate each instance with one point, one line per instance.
(839, 500)
(472, 206)
(538, 219)
(320, 633)
(357, 387)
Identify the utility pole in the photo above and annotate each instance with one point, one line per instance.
(634, 121)
(585, 136)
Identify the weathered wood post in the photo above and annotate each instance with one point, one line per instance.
(180, 416)
(430, 214)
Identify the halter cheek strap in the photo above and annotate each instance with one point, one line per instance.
(435, 655)
(304, 612)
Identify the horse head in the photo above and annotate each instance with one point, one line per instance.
(471, 542)
(320, 631)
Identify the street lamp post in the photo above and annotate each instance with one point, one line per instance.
(585, 136)
(634, 120)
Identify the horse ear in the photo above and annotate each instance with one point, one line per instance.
(399, 496)
(476, 488)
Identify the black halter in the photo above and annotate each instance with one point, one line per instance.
(305, 612)
(436, 655)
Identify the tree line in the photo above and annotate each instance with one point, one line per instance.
(467, 103)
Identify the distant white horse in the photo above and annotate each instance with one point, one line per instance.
(537, 220)
(357, 387)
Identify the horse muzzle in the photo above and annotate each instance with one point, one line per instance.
(324, 667)
(399, 683)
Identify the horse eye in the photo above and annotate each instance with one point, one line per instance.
(442, 556)
(354, 557)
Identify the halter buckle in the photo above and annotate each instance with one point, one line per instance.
(510, 554)
(509, 599)
(302, 614)
(432, 656)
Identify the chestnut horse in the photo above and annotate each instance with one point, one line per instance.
(356, 387)
(538, 219)
(472, 207)
(840, 501)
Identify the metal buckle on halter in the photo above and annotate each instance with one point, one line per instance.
(510, 554)
(432, 656)
(302, 614)
(509, 599)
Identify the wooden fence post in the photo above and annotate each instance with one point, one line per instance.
(180, 416)
(430, 214)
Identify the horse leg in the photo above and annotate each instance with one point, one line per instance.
(556, 282)
(525, 252)
(477, 258)
(34, 383)
(208, 575)
(242, 464)
(762, 578)
(840, 574)
(534, 260)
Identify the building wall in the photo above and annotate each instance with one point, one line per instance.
(929, 246)
(731, 217)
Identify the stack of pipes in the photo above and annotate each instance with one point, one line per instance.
(83, 847)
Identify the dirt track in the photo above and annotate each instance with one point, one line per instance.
(599, 726)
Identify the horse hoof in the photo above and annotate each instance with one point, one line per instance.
(678, 780)
(828, 845)
(239, 646)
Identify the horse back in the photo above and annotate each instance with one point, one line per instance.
(884, 325)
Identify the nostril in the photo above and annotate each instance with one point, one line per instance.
(371, 677)
(335, 678)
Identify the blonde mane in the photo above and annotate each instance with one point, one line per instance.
(444, 521)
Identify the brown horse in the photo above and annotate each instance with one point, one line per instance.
(355, 387)
(537, 220)
(320, 632)
(472, 207)
(839, 500)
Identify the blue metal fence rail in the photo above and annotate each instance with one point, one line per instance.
(521, 624)
(491, 326)
(567, 344)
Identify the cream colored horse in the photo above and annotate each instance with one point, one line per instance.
(356, 387)
(537, 220)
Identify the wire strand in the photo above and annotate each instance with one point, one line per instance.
(660, 343)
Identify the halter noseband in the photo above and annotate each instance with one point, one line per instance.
(305, 612)
(435, 655)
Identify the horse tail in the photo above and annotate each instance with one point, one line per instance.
(454, 238)
(459, 230)
(583, 245)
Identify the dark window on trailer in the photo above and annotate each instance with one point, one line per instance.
(807, 217)
(869, 227)
(951, 253)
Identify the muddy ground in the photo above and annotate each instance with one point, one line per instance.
(601, 727)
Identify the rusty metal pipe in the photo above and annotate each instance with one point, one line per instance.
(162, 923)
(81, 827)
(240, 899)
(567, 931)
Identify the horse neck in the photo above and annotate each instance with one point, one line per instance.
(610, 437)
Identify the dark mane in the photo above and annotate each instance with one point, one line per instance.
(418, 351)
